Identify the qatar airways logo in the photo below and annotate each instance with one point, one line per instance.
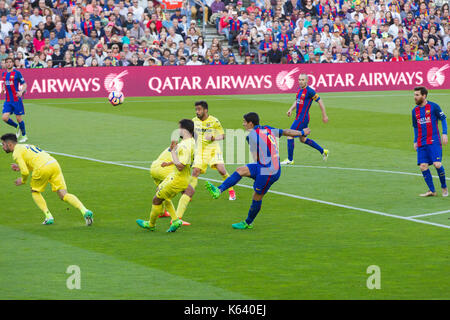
(74, 85)
(114, 82)
(436, 76)
(424, 120)
(285, 80)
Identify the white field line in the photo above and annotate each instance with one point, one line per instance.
(430, 214)
(271, 191)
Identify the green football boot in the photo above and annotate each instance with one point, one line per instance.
(48, 221)
(89, 217)
(242, 225)
(212, 189)
(145, 225)
(175, 225)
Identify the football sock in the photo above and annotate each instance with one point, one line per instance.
(170, 209)
(22, 127)
(230, 181)
(313, 144)
(11, 123)
(441, 173)
(182, 205)
(290, 146)
(428, 179)
(40, 202)
(157, 210)
(225, 177)
(75, 202)
(253, 212)
(193, 182)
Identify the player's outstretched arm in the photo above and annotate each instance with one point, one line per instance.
(296, 133)
(289, 112)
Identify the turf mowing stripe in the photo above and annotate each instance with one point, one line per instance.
(271, 191)
(430, 214)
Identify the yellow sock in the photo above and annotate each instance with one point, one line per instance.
(40, 202)
(170, 209)
(225, 177)
(75, 202)
(182, 205)
(157, 210)
(193, 182)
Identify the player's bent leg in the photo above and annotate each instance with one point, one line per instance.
(223, 172)
(22, 128)
(231, 181)
(441, 173)
(252, 213)
(40, 202)
(73, 200)
(6, 118)
(428, 180)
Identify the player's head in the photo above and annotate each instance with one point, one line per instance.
(420, 94)
(251, 120)
(9, 140)
(9, 62)
(186, 127)
(303, 80)
(201, 109)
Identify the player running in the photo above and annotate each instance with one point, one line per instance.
(305, 96)
(159, 170)
(177, 181)
(45, 169)
(208, 131)
(427, 140)
(265, 171)
(13, 98)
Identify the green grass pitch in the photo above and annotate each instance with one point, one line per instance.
(314, 238)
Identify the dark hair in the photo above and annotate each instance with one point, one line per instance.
(202, 103)
(9, 137)
(188, 125)
(9, 58)
(423, 90)
(252, 117)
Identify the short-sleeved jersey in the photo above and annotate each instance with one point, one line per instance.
(209, 127)
(425, 121)
(263, 143)
(11, 81)
(29, 158)
(185, 153)
(165, 156)
(304, 99)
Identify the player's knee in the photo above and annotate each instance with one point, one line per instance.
(62, 194)
(423, 166)
(156, 200)
(189, 191)
(195, 172)
(241, 170)
(5, 117)
(437, 165)
(302, 139)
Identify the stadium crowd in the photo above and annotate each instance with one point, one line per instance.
(75, 33)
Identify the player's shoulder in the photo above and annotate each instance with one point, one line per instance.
(19, 148)
(213, 119)
(433, 104)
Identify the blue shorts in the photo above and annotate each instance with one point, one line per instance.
(14, 107)
(429, 153)
(262, 181)
(298, 125)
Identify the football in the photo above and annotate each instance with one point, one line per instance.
(116, 98)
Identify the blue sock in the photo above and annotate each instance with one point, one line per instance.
(253, 212)
(441, 173)
(22, 127)
(290, 149)
(11, 123)
(313, 144)
(230, 181)
(428, 179)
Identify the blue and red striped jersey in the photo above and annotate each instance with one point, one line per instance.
(425, 122)
(235, 25)
(11, 81)
(305, 97)
(263, 143)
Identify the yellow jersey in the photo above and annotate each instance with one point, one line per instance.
(30, 158)
(165, 156)
(185, 153)
(209, 127)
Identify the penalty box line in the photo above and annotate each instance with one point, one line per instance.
(270, 191)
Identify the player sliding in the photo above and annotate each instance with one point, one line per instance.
(305, 96)
(177, 181)
(266, 169)
(427, 140)
(45, 169)
(208, 131)
(13, 98)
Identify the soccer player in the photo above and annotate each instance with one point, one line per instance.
(13, 98)
(208, 131)
(177, 181)
(159, 170)
(427, 140)
(265, 170)
(305, 96)
(45, 169)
